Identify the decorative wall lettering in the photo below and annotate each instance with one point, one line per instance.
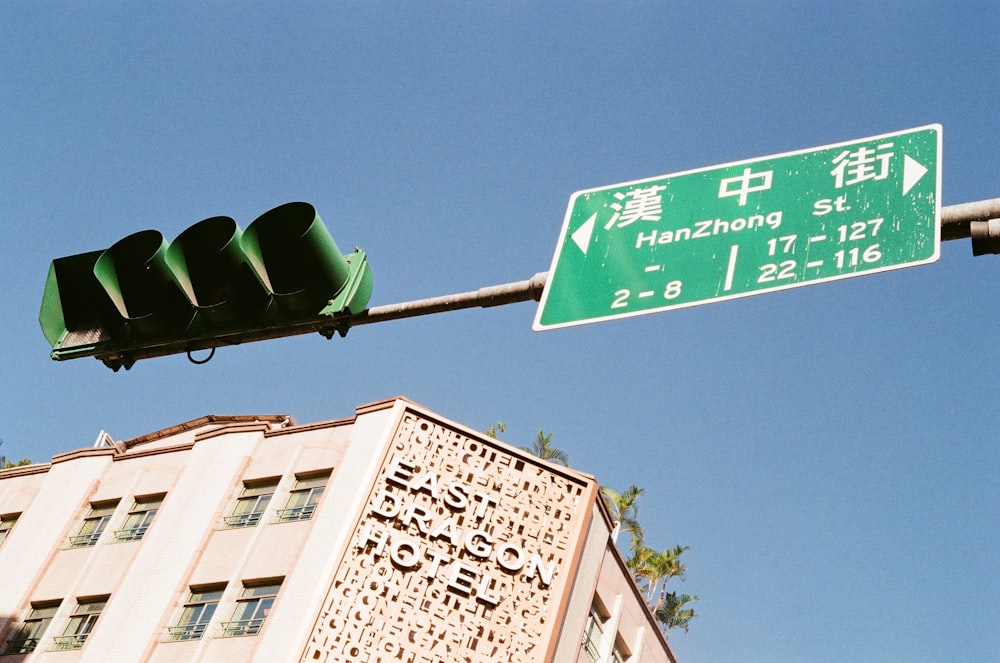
(455, 557)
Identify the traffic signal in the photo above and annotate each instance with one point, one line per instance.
(214, 285)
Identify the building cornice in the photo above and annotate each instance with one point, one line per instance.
(222, 420)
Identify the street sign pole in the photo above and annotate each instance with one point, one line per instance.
(746, 228)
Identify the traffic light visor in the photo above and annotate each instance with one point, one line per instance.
(208, 261)
(295, 256)
(135, 275)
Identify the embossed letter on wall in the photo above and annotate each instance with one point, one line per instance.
(459, 556)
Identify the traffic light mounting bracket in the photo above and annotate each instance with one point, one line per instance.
(334, 317)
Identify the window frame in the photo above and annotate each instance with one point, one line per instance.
(593, 630)
(620, 653)
(252, 608)
(7, 523)
(253, 496)
(305, 496)
(94, 523)
(81, 622)
(32, 629)
(140, 517)
(192, 623)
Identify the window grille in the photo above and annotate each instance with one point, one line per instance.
(304, 498)
(251, 504)
(139, 518)
(81, 623)
(197, 613)
(93, 524)
(26, 638)
(593, 632)
(251, 610)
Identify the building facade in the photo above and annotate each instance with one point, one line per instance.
(391, 536)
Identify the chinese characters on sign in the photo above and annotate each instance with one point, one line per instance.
(763, 180)
(861, 164)
(643, 204)
(745, 228)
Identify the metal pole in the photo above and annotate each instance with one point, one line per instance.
(496, 295)
(955, 224)
(955, 219)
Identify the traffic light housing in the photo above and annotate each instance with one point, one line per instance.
(214, 285)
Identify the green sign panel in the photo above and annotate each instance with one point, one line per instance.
(747, 228)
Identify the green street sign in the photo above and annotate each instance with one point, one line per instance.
(747, 228)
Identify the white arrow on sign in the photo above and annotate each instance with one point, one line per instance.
(582, 234)
(912, 172)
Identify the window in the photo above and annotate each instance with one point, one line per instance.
(252, 608)
(139, 518)
(304, 498)
(95, 522)
(252, 503)
(197, 612)
(620, 653)
(81, 622)
(6, 525)
(26, 638)
(594, 630)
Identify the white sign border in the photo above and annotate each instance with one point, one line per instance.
(538, 326)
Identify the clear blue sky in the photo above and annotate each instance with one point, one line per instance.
(829, 453)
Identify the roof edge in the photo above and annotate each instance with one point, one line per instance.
(208, 420)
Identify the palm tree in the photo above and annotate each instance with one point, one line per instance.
(662, 567)
(672, 613)
(7, 464)
(651, 569)
(543, 449)
(642, 567)
(624, 507)
(498, 427)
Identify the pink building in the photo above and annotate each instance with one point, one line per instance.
(391, 536)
